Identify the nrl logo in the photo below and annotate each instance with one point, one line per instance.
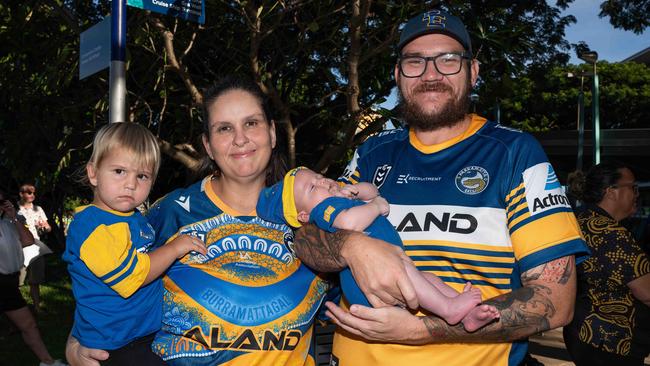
(380, 175)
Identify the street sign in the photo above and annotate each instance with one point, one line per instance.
(193, 10)
(95, 48)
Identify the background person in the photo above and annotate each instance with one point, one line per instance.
(468, 199)
(38, 226)
(611, 323)
(13, 237)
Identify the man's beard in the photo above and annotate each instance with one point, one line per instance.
(449, 114)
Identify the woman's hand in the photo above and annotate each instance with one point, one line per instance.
(390, 324)
(78, 355)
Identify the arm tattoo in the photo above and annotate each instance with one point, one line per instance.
(524, 311)
(556, 271)
(320, 250)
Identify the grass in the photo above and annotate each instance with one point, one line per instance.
(54, 323)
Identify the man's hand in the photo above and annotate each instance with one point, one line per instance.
(78, 355)
(377, 266)
(379, 270)
(387, 324)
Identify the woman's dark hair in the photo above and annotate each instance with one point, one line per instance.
(277, 166)
(590, 188)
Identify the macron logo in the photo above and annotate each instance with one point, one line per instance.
(184, 202)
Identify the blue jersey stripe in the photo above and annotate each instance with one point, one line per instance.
(539, 216)
(462, 261)
(445, 248)
(517, 214)
(122, 265)
(476, 282)
(125, 274)
(466, 271)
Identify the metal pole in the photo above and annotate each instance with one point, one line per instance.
(117, 86)
(596, 116)
(581, 126)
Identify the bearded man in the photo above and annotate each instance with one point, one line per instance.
(473, 201)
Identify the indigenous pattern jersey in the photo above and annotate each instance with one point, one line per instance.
(483, 207)
(105, 252)
(324, 214)
(249, 301)
(607, 315)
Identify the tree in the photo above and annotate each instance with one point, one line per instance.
(324, 64)
(631, 15)
(547, 99)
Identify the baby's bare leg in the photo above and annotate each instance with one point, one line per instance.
(433, 298)
(480, 316)
(439, 284)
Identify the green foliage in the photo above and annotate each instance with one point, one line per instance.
(631, 15)
(301, 52)
(544, 99)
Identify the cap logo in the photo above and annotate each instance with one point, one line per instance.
(434, 19)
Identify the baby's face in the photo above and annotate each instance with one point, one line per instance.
(311, 188)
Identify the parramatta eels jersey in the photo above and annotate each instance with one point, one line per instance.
(249, 301)
(105, 251)
(483, 207)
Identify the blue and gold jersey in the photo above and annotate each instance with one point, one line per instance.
(249, 301)
(105, 252)
(483, 207)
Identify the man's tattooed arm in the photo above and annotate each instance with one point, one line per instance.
(319, 249)
(378, 267)
(544, 302)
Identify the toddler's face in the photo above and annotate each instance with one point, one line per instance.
(311, 188)
(119, 183)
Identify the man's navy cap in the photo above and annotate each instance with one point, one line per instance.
(435, 21)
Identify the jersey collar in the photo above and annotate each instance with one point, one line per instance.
(475, 125)
(206, 186)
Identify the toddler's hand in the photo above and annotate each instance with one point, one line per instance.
(187, 243)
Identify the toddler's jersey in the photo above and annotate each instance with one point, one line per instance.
(105, 252)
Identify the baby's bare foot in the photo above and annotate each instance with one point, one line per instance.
(462, 304)
(480, 316)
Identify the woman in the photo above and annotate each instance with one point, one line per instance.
(13, 237)
(610, 325)
(38, 226)
(249, 301)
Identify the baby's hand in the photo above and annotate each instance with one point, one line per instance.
(184, 244)
(382, 205)
(349, 191)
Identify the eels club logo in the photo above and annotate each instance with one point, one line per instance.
(472, 180)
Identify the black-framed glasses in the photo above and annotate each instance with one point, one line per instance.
(634, 186)
(28, 192)
(449, 63)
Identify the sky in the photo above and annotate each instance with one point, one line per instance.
(611, 44)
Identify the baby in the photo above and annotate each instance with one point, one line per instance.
(305, 196)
